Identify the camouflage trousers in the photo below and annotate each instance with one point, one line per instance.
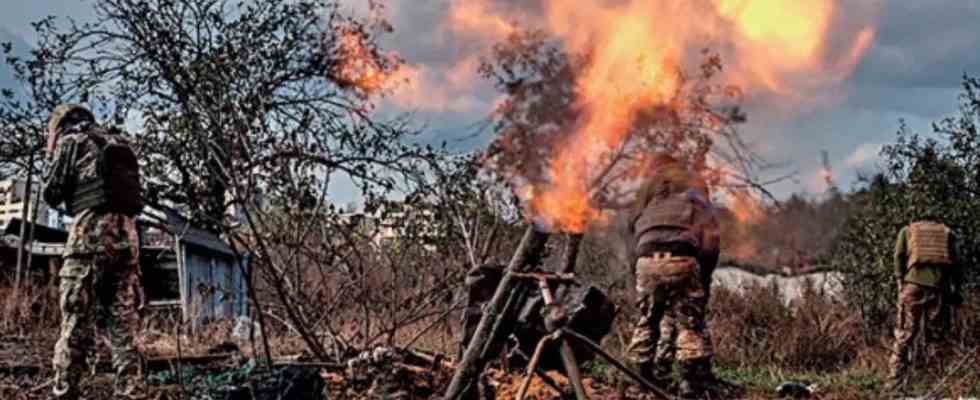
(920, 308)
(100, 297)
(666, 351)
(673, 304)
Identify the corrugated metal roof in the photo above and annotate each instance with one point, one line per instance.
(41, 233)
(175, 224)
(37, 247)
(180, 227)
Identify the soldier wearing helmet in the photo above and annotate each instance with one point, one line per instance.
(676, 241)
(94, 174)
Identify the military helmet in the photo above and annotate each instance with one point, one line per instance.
(61, 116)
(671, 172)
(930, 214)
(663, 159)
(67, 113)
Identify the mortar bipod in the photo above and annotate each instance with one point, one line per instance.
(555, 323)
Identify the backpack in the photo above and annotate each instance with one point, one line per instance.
(117, 186)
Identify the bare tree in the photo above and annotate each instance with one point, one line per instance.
(244, 114)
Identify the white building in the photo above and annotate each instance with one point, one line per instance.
(12, 203)
(392, 226)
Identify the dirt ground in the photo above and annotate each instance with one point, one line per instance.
(25, 374)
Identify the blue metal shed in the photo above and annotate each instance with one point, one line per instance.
(183, 266)
(211, 280)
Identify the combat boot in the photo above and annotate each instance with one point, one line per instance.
(897, 386)
(65, 386)
(130, 387)
(657, 373)
(897, 382)
(64, 393)
(663, 369)
(697, 380)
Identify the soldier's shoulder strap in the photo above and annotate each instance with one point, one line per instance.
(104, 137)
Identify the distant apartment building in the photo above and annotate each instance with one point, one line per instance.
(12, 203)
(385, 227)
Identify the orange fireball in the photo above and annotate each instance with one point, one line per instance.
(634, 50)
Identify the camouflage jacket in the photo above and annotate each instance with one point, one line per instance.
(75, 160)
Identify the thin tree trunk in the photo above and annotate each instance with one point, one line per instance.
(23, 227)
(30, 233)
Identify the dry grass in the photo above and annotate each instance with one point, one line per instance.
(33, 311)
(760, 341)
(758, 328)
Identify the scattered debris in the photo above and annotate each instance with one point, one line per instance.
(224, 348)
(393, 373)
(796, 390)
(247, 382)
(281, 383)
(245, 328)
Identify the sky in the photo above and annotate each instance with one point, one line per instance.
(912, 71)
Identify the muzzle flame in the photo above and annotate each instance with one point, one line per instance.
(634, 49)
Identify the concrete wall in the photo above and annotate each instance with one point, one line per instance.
(789, 287)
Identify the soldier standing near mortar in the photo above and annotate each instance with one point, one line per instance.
(929, 280)
(95, 173)
(675, 233)
(663, 363)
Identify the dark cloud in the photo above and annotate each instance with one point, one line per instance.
(419, 35)
(928, 102)
(924, 44)
(912, 72)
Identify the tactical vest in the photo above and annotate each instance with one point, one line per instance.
(668, 224)
(116, 186)
(928, 244)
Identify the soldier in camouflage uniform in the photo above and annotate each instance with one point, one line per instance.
(677, 244)
(666, 353)
(929, 282)
(99, 281)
